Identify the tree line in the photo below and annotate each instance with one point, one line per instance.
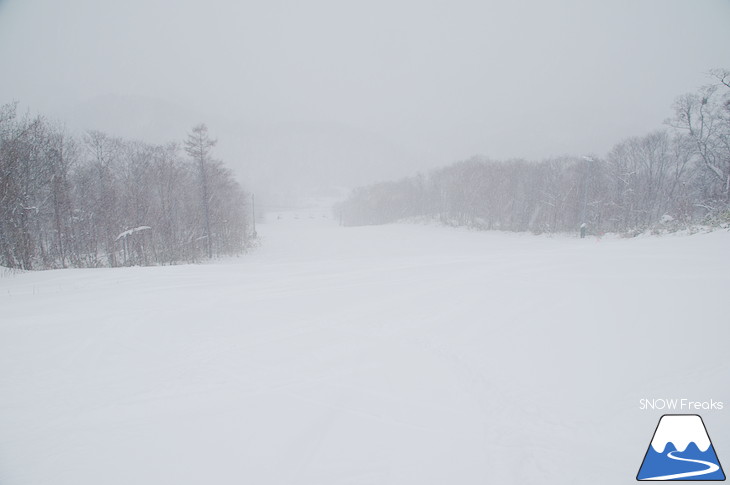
(98, 200)
(671, 177)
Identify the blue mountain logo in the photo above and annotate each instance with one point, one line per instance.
(681, 450)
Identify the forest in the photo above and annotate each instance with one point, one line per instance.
(665, 180)
(97, 200)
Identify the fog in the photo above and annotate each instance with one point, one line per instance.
(328, 93)
(435, 242)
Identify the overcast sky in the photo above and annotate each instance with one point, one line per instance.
(442, 79)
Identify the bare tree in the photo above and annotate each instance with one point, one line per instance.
(705, 117)
(199, 145)
(110, 201)
(722, 75)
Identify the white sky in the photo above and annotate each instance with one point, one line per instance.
(442, 79)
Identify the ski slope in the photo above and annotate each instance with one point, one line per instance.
(397, 354)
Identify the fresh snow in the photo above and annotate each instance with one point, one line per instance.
(129, 232)
(402, 354)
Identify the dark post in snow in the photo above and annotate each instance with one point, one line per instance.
(253, 215)
(583, 224)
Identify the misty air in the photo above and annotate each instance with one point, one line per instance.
(376, 242)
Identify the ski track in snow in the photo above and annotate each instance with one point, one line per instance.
(387, 354)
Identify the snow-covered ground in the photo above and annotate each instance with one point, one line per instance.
(398, 354)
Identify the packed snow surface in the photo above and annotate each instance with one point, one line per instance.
(398, 354)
